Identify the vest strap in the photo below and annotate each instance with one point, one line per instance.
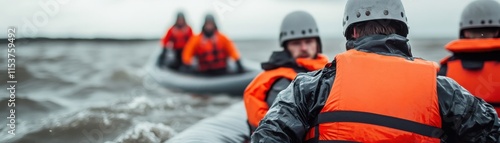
(494, 104)
(380, 120)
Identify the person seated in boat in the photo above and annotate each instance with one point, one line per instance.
(300, 40)
(475, 63)
(377, 92)
(176, 38)
(212, 49)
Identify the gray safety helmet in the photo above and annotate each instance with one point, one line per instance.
(392, 11)
(298, 25)
(180, 14)
(480, 14)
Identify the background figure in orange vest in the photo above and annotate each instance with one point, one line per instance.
(377, 92)
(176, 38)
(212, 49)
(475, 62)
(301, 54)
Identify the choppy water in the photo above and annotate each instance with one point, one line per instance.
(88, 91)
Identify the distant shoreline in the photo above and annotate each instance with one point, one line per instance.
(4, 40)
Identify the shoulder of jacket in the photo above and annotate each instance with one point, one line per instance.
(446, 82)
(197, 36)
(447, 86)
(313, 77)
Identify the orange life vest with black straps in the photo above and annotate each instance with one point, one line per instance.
(179, 36)
(211, 54)
(380, 99)
(256, 92)
(483, 82)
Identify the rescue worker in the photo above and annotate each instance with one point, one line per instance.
(475, 63)
(176, 38)
(299, 36)
(212, 49)
(376, 92)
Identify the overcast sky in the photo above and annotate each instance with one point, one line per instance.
(244, 19)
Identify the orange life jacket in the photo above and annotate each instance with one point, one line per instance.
(380, 99)
(179, 36)
(211, 54)
(256, 92)
(483, 83)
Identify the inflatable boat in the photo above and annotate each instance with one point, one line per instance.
(232, 84)
(229, 126)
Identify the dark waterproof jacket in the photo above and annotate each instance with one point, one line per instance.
(465, 118)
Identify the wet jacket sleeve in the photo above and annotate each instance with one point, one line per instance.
(230, 48)
(188, 52)
(166, 38)
(294, 110)
(466, 118)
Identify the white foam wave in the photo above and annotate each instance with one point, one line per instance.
(146, 132)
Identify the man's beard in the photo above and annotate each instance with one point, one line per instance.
(208, 33)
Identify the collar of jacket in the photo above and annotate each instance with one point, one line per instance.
(284, 59)
(474, 45)
(394, 45)
(178, 26)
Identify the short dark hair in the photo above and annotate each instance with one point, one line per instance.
(375, 27)
(480, 30)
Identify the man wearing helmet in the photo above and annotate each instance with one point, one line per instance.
(176, 38)
(212, 49)
(299, 37)
(475, 62)
(377, 92)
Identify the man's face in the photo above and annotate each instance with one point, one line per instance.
(480, 33)
(181, 21)
(209, 26)
(303, 48)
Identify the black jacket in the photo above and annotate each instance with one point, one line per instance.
(465, 118)
(280, 59)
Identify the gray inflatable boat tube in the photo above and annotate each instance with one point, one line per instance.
(229, 126)
(231, 84)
